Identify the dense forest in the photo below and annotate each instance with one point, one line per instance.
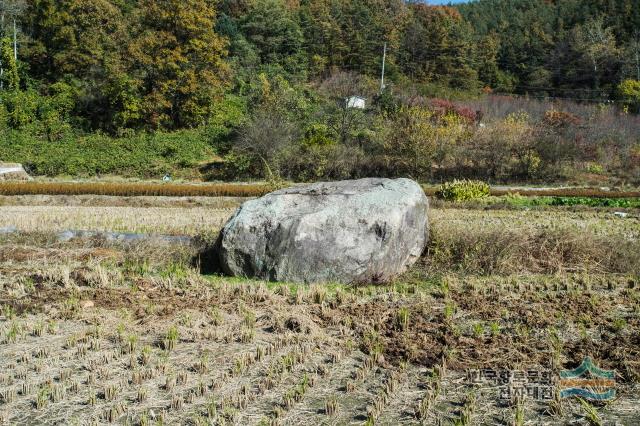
(237, 88)
(567, 48)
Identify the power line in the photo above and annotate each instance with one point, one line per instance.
(565, 89)
(601, 101)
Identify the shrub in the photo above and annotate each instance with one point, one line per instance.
(561, 119)
(503, 150)
(416, 143)
(411, 141)
(443, 107)
(461, 190)
(595, 168)
(265, 138)
(629, 93)
(633, 157)
(139, 155)
(318, 135)
(334, 161)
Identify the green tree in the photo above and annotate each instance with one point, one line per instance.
(597, 46)
(9, 78)
(632, 53)
(243, 56)
(10, 13)
(366, 27)
(80, 42)
(271, 26)
(322, 34)
(489, 71)
(629, 93)
(437, 46)
(350, 34)
(73, 37)
(179, 61)
(348, 125)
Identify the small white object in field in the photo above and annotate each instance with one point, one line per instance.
(166, 178)
(621, 214)
(8, 230)
(356, 102)
(13, 171)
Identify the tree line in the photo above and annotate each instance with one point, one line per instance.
(164, 64)
(567, 48)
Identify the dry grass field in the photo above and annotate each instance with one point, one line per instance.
(94, 331)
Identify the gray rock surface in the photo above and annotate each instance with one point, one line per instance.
(127, 237)
(367, 230)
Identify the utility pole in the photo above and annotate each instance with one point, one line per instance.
(384, 58)
(637, 52)
(15, 41)
(1, 65)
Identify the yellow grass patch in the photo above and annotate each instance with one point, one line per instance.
(134, 189)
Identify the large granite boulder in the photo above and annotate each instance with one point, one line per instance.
(13, 171)
(367, 230)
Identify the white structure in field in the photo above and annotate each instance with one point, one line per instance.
(356, 102)
(13, 171)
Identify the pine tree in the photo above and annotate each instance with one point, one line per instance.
(271, 26)
(437, 46)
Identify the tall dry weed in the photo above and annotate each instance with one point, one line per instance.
(529, 251)
(133, 189)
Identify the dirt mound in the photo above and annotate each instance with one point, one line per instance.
(13, 171)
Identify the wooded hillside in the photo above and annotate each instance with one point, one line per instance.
(114, 64)
(114, 77)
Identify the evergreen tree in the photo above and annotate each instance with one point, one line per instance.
(437, 46)
(272, 27)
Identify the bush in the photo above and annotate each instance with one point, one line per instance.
(555, 118)
(322, 162)
(138, 155)
(503, 150)
(417, 143)
(443, 107)
(629, 93)
(461, 190)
